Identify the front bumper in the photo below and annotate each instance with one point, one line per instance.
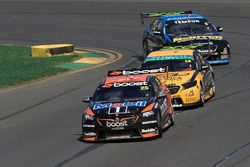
(143, 127)
(186, 97)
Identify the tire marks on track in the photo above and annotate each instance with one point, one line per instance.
(232, 70)
(231, 155)
(229, 95)
(39, 103)
(79, 154)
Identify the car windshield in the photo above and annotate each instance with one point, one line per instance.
(117, 94)
(189, 28)
(172, 65)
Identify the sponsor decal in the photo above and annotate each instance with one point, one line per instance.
(88, 126)
(159, 70)
(190, 99)
(157, 14)
(125, 84)
(148, 114)
(184, 18)
(186, 21)
(125, 104)
(115, 73)
(89, 133)
(174, 78)
(149, 122)
(162, 78)
(180, 39)
(224, 56)
(191, 93)
(116, 124)
(180, 74)
(149, 130)
(191, 46)
(205, 51)
(88, 117)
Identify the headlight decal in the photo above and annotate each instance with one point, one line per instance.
(189, 84)
(148, 108)
(90, 112)
(225, 51)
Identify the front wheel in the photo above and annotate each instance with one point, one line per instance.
(159, 125)
(202, 100)
(145, 49)
(172, 119)
(213, 87)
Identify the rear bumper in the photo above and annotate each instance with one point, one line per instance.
(225, 61)
(218, 58)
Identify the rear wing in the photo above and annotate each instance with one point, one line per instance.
(159, 14)
(135, 72)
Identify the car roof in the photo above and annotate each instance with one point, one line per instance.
(174, 52)
(183, 16)
(126, 78)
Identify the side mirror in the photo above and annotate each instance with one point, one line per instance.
(86, 99)
(157, 32)
(219, 29)
(162, 94)
(204, 67)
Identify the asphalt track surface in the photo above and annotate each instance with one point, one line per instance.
(40, 123)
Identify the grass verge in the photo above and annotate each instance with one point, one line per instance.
(17, 65)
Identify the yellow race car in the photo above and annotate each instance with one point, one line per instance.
(189, 78)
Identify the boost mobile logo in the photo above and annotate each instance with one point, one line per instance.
(116, 124)
(144, 71)
(130, 84)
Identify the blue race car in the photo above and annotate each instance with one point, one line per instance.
(182, 29)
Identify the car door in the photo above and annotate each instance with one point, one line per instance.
(155, 38)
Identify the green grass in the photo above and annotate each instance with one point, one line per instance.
(17, 65)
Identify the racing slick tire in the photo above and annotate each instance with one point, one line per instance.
(213, 87)
(229, 54)
(202, 99)
(145, 49)
(172, 119)
(159, 125)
